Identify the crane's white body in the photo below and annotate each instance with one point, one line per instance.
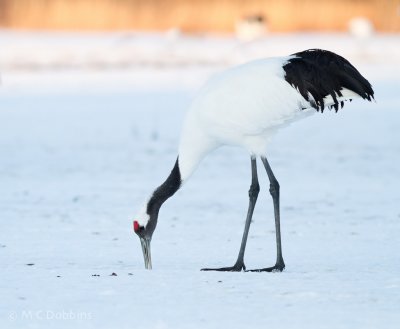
(242, 106)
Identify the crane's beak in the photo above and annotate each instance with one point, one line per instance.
(146, 252)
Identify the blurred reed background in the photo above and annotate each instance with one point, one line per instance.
(197, 16)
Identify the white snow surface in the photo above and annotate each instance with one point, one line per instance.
(82, 146)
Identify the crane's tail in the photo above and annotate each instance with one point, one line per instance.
(325, 79)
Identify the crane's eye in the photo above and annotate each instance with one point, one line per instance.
(136, 227)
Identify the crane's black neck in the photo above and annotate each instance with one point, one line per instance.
(164, 191)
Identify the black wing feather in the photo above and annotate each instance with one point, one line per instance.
(321, 73)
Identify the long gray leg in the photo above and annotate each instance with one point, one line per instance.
(253, 194)
(274, 190)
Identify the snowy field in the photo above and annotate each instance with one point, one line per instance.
(89, 126)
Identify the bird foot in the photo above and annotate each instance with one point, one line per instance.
(279, 267)
(238, 267)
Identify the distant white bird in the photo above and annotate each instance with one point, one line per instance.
(245, 106)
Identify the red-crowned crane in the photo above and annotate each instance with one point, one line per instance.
(245, 106)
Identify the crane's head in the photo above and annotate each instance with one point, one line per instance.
(146, 221)
(144, 226)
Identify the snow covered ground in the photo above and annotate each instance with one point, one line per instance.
(82, 144)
